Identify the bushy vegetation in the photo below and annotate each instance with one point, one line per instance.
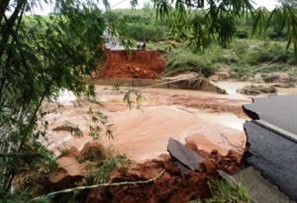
(249, 53)
(38, 57)
(242, 58)
(139, 25)
(247, 57)
(183, 59)
(271, 53)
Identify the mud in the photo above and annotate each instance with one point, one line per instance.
(210, 104)
(257, 90)
(215, 121)
(137, 64)
(174, 113)
(169, 187)
(231, 87)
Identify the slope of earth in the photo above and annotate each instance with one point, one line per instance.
(157, 180)
(168, 187)
(137, 64)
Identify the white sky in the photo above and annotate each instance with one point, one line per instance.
(269, 4)
(116, 4)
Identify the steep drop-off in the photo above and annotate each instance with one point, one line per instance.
(137, 64)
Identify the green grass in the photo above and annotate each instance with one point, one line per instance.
(244, 57)
(222, 192)
(182, 60)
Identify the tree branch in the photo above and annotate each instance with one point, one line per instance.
(101, 185)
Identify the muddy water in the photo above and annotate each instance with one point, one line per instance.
(209, 120)
(231, 87)
(143, 133)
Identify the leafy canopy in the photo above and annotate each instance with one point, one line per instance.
(38, 57)
(206, 20)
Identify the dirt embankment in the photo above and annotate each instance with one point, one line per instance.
(169, 186)
(137, 64)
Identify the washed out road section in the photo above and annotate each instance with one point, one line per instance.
(206, 120)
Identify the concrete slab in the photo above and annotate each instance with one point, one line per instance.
(260, 190)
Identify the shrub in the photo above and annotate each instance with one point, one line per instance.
(276, 33)
(241, 34)
(271, 54)
(183, 59)
(146, 32)
(101, 174)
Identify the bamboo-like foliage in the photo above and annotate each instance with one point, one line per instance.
(39, 56)
(203, 19)
(216, 19)
(285, 17)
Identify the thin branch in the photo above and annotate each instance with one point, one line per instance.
(100, 185)
(9, 26)
(3, 8)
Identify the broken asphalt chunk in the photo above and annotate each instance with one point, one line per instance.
(184, 155)
(280, 111)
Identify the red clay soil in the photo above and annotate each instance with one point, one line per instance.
(170, 187)
(211, 104)
(138, 64)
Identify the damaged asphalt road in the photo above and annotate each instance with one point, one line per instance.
(273, 142)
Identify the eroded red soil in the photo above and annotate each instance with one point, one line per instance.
(169, 187)
(137, 64)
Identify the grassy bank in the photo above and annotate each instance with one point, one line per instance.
(245, 56)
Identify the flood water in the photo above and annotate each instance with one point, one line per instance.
(215, 120)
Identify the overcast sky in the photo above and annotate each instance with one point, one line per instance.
(270, 4)
(116, 4)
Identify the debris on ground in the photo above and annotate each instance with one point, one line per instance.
(257, 89)
(220, 75)
(218, 138)
(276, 77)
(170, 187)
(285, 85)
(185, 157)
(197, 83)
